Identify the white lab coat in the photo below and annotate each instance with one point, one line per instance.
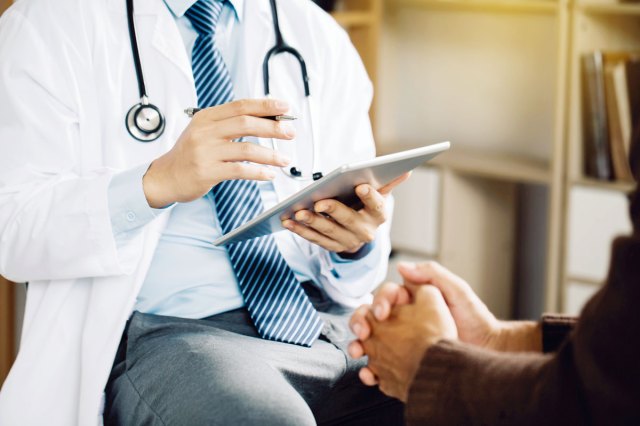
(66, 82)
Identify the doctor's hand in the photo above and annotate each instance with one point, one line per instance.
(339, 228)
(206, 155)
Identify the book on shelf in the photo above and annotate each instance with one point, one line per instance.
(596, 153)
(619, 119)
(611, 112)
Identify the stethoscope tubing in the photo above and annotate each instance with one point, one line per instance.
(150, 129)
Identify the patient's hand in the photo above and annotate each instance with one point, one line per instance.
(396, 346)
(475, 323)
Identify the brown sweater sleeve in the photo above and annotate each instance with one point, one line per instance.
(555, 330)
(593, 378)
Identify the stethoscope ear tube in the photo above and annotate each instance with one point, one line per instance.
(282, 47)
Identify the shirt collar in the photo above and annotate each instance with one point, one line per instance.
(179, 7)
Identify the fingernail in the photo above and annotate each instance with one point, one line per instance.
(283, 159)
(378, 312)
(364, 190)
(281, 105)
(270, 174)
(287, 224)
(350, 351)
(288, 130)
(357, 329)
(321, 208)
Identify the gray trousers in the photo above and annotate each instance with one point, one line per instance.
(218, 371)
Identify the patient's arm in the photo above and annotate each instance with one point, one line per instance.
(592, 379)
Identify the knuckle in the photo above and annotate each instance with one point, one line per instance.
(430, 265)
(278, 128)
(349, 221)
(245, 123)
(429, 291)
(329, 229)
(246, 149)
(242, 106)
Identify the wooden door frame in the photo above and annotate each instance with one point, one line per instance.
(7, 327)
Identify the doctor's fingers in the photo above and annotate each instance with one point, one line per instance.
(363, 226)
(313, 236)
(254, 107)
(327, 227)
(374, 203)
(244, 125)
(246, 151)
(386, 190)
(244, 171)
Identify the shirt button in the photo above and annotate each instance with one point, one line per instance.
(131, 216)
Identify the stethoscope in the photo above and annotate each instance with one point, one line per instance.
(145, 122)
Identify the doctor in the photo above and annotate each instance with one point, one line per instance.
(131, 311)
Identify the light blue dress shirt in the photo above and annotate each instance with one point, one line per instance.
(189, 277)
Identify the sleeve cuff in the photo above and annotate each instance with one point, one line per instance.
(128, 206)
(350, 257)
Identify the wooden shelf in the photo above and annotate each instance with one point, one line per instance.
(352, 19)
(609, 9)
(494, 165)
(532, 6)
(601, 184)
(486, 164)
(586, 280)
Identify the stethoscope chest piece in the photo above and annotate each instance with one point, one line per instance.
(145, 122)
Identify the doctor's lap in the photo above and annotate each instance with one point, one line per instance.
(110, 212)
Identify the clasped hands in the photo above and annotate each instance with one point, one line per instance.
(206, 154)
(404, 321)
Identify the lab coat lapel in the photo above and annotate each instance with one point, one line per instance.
(165, 37)
(168, 41)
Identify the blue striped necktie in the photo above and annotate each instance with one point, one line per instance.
(273, 296)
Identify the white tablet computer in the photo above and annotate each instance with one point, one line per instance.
(339, 185)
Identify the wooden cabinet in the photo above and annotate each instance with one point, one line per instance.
(362, 19)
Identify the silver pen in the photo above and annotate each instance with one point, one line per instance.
(192, 111)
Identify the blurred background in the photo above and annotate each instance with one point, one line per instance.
(538, 100)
